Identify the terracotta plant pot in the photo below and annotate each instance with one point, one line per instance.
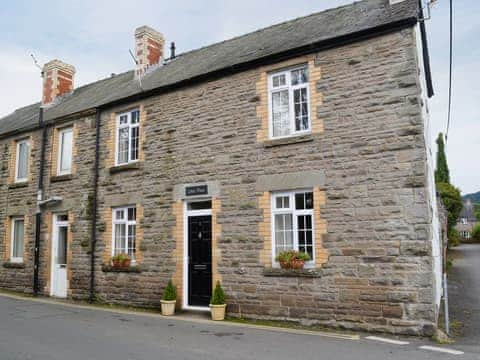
(126, 263)
(285, 264)
(117, 264)
(218, 312)
(297, 264)
(168, 307)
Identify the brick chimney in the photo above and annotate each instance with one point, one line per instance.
(148, 49)
(57, 80)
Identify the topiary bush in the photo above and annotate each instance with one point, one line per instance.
(170, 292)
(218, 296)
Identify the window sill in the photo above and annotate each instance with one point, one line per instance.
(277, 272)
(125, 167)
(18, 185)
(58, 178)
(13, 265)
(131, 269)
(288, 140)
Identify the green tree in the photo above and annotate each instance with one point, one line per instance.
(476, 208)
(452, 200)
(442, 174)
(476, 233)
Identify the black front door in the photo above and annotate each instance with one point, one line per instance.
(200, 260)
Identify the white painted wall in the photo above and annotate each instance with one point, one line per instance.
(436, 239)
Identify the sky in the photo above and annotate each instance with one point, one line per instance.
(95, 36)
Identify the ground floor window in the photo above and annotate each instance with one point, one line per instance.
(17, 237)
(124, 231)
(292, 222)
(466, 234)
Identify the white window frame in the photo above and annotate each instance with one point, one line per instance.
(125, 222)
(130, 126)
(291, 108)
(60, 152)
(17, 158)
(12, 239)
(295, 213)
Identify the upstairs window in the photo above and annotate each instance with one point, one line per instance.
(65, 142)
(22, 157)
(17, 239)
(128, 135)
(289, 102)
(292, 228)
(125, 231)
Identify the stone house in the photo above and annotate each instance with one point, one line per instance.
(309, 135)
(466, 221)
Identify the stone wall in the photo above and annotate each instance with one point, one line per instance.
(375, 235)
(17, 200)
(371, 149)
(76, 191)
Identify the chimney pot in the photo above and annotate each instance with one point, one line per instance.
(57, 80)
(149, 45)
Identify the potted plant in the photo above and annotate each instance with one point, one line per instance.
(169, 298)
(121, 261)
(291, 259)
(217, 303)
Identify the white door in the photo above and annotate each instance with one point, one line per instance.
(59, 256)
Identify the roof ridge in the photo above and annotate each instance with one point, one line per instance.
(20, 109)
(274, 26)
(100, 80)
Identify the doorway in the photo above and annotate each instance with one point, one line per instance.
(198, 254)
(59, 256)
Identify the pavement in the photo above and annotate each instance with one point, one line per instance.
(464, 296)
(43, 329)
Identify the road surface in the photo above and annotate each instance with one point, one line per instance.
(49, 331)
(464, 295)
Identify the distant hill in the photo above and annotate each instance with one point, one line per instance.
(475, 197)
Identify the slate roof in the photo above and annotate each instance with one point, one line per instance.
(468, 211)
(305, 33)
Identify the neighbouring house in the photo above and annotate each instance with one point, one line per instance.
(467, 221)
(310, 135)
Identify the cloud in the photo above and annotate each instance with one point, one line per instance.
(20, 79)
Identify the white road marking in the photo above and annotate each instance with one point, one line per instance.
(385, 340)
(440, 349)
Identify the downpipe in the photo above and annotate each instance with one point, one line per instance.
(38, 211)
(93, 243)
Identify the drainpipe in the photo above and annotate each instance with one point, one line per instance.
(94, 206)
(38, 211)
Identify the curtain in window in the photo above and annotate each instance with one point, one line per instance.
(280, 114)
(18, 229)
(123, 145)
(66, 151)
(22, 171)
(283, 232)
(120, 238)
